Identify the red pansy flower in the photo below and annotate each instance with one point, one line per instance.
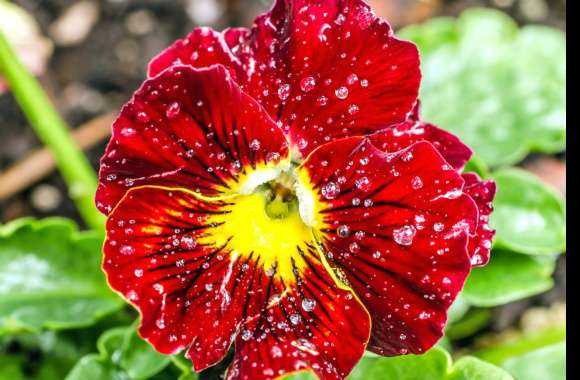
(274, 188)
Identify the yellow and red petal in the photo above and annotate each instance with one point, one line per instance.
(193, 129)
(413, 130)
(395, 227)
(483, 193)
(206, 273)
(323, 70)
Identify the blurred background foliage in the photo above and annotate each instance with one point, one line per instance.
(494, 74)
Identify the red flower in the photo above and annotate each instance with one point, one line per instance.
(275, 188)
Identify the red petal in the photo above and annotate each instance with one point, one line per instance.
(483, 193)
(204, 47)
(324, 70)
(188, 128)
(166, 253)
(413, 130)
(396, 227)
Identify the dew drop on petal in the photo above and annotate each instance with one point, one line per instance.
(353, 109)
(416, 183)
(308, 304)
(352, 79)
(341, 92)
(127, 250)
(142, 117)
(255, 145)
(363, 184)
(404, 235)
(246, 335)
(284, 91)
(343, 231)
(307, 84)
(354, 247)
(295, 319)
(173, 110)
(330, 190)
(138, 272)
(188, 242)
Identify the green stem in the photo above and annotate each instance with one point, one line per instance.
(54, 134)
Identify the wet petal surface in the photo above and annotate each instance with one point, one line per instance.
(395, 227)
(483, 193)
(323, 70)
(193, 129)
(201, 287)
(414, 130)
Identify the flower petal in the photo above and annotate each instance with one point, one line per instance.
(414, 130)
(204, 274)
(483, 193)
(203, 47)
(323, 70)
(396, 227)
(193, 129)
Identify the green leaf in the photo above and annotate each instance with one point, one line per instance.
(122, 355)
(11, 368)
(139, 359)
(93, 367)
(509, 277)
(50, 276)
(474, 369)
(502, 90)
(548, 363)
(529, 216)
(434, 365)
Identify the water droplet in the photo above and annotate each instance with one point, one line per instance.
(255, 145)
(341, 92)
(377, 255)
(416, 183)
(173, 110)
(352, 79)
(438, 227)
(132, 295)
(209, 287)
(404, 235)
(188, 242)
(160, 323)
(284, 92)
(343, 231)
(246, 335)
(302, 143)
(307, 84)
(138, 272)
(142, 117)
(364, 83)
(322, 101)
(128, 132)
(330, 190)
(354, 247)
(295, 319)
(363, 184)
(308, 304)
(353, 109)
(127, 250)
